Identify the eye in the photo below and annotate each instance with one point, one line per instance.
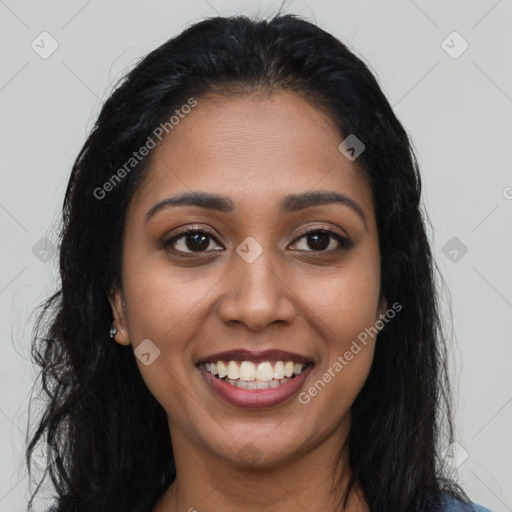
(198, 240)
(321, 240)
(189, 241)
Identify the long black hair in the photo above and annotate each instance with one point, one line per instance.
(109, 434)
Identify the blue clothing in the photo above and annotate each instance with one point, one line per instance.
(451, 504)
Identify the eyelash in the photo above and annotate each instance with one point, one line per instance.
(344, 243)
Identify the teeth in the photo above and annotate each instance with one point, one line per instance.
(264, 372)
(249, 373)
(221, 368)
(233, 370)
(279, 370)
(256, 384)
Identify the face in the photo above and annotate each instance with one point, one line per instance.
(263, 271)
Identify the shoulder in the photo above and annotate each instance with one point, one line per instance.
(451, 504)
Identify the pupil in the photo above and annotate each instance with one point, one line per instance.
(320, 245)
(200, 241)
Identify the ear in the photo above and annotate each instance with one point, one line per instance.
(383, 307)
(118, 307)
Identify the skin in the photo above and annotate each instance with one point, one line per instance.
(294, 296)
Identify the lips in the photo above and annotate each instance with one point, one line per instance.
(268, 387)
(255, 398)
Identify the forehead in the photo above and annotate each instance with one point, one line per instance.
(254, 149)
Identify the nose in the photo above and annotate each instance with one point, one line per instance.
(257, 294)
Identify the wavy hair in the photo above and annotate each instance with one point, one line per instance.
(109, 433)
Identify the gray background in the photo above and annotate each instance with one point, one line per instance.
(457, 111)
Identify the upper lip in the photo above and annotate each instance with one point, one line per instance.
(255, 357)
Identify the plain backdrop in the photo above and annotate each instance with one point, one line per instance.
(452, 92)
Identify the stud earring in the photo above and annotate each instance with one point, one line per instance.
(113, 331)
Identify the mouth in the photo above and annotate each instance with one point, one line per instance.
(249, 379)
(248, 375)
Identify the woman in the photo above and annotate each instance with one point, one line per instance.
(248, 317)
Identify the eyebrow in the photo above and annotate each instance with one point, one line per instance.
(291, 203)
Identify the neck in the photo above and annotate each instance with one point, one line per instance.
(312, 480)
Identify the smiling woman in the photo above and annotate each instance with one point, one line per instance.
(268, 286)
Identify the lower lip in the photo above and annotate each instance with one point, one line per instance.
(255, 398)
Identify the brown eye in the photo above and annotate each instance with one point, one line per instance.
(190, 241)
(323, 240)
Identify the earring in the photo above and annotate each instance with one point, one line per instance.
(113, 331)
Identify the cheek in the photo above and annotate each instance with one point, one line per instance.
(162, 299)
(346, 300)
(346, 308)
(349, 332)
(166, 310)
